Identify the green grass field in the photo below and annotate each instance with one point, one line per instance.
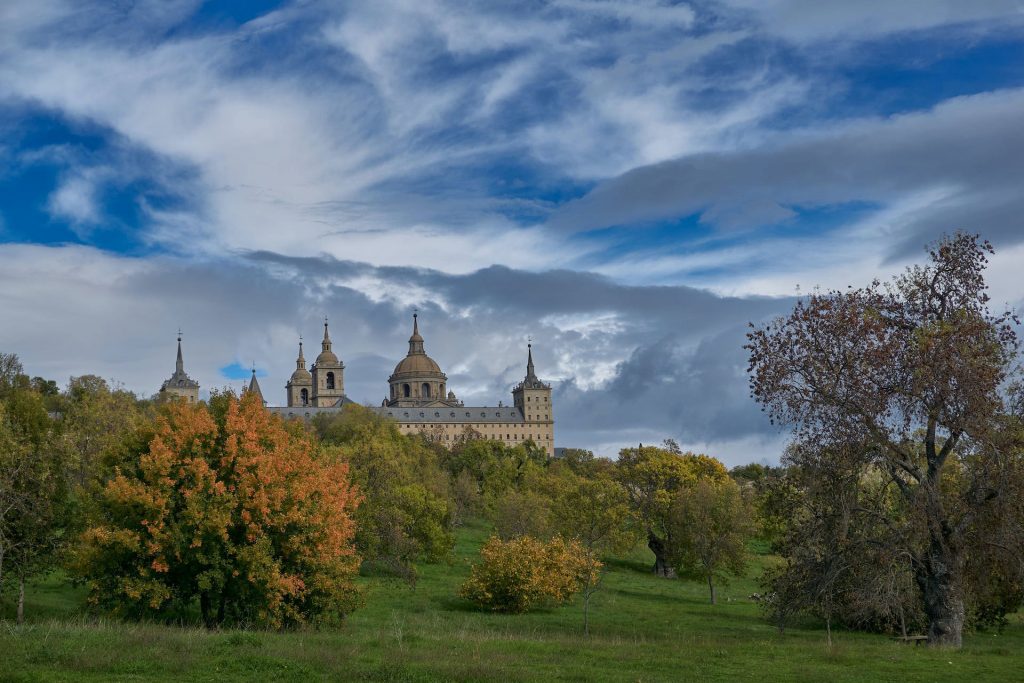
(643, 629)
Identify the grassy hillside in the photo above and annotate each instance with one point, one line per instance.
(643, 629)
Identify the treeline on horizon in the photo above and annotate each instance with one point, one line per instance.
(898, 508)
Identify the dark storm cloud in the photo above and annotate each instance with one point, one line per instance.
(968, 151)
(674, 356)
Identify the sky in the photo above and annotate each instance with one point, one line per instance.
(630, 183)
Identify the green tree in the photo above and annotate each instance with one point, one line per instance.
(407, 512)
(652, 478)
(522, 513)
(33, 491)
(711, 524)
(596, 513)
(95, 419)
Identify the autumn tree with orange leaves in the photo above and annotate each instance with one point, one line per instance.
(229, 507)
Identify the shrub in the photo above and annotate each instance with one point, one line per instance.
(524, 573)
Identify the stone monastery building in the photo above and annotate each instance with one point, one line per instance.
(419, 399)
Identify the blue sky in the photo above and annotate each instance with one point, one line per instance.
(628, 181)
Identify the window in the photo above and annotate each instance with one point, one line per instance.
(304, 397)
(425, 390)
(422, 415)
(527, 399)
(437, 414)
(330, 380)
(406, 391)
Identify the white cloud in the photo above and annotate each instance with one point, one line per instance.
(814, 20)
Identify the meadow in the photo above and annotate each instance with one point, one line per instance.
(642, 629)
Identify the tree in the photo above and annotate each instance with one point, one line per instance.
(33, 491)
(652, 478)
(710, 527)
(524, 573)
(228, 506)
(95, 418)
(522, 513)
(11, 374)
(596, 513)
(912, 371)
(407, 513)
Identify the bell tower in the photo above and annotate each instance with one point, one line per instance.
(533, 399)
(328, 375)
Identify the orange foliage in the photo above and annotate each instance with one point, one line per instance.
(237, 510)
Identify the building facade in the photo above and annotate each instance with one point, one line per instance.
(420, 401)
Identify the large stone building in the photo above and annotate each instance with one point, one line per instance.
(180, 384)
(419, 399)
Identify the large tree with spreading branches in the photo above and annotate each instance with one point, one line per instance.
(913, 370)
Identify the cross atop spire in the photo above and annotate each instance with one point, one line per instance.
(179, 365)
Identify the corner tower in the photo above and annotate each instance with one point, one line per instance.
(180, 384)
(533, 399)
(254, 387)
(328, 375)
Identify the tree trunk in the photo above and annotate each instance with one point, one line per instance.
(205, 608)
(828, 628)
(586, 614)
(21, 601)
(711, 587)
(222, 605)
(662, 567)
(938, 578)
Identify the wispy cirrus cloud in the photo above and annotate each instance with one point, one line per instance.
(630, 181)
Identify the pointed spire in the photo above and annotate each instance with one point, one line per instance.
(530, 373)
(179, 365)
(326, 344)
(300, 362)
(415, 341)
(254, 385)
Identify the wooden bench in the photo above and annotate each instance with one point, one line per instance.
(916, 640)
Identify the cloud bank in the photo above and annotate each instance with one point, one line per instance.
(628, 181)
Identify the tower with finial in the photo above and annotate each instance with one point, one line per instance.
(180, 385)
(328, 375)
(300, 386)
(533, 399)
